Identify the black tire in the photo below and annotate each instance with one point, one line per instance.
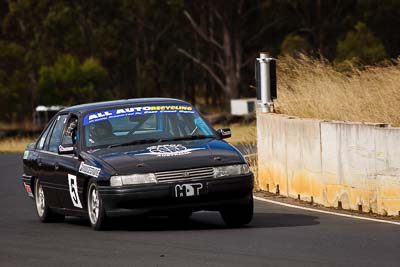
(96, 212)
(43, 211)
(238, 215)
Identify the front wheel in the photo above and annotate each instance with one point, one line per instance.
(43, 211)
(238, 215)
(96, 210)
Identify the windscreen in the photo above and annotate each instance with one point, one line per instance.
(127, 125)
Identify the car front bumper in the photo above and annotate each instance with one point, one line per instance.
(161, 198)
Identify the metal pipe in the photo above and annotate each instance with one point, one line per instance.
(265, 83)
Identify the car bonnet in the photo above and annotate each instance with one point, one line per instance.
(169, 156)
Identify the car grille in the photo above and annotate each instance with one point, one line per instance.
(198, 173)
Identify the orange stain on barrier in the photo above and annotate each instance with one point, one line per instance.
(389, 188)
(273, 177)
(351, 165)
(389, 206)
(312, 187)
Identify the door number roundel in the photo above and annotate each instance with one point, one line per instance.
(73, 191)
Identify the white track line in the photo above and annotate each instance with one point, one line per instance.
(324, 211)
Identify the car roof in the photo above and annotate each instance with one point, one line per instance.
(83, 108)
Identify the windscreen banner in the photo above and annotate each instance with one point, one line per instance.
(136, 111)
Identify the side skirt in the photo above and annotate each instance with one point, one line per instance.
(69, 212)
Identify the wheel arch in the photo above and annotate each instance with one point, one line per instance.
(33, 182)
(85, 189)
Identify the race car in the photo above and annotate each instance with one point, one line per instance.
(136, 157)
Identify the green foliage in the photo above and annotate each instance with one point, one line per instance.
(68, 82)
(68, 52)
(382, 17)
(13, 81)
(360, 46)
(294, 44)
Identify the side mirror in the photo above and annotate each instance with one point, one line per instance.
(66, 149)
(224, 133)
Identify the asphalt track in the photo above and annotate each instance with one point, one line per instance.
(278, 236)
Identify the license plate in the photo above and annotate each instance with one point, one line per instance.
(190, 190)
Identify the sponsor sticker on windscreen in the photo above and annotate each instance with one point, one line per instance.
(135, 111)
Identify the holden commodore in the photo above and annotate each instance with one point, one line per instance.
(136, 157)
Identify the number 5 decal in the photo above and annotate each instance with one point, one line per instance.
(73, 191)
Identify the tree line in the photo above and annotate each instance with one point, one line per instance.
(69, 52)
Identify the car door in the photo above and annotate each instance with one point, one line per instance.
(57, 169)
(68, 166)
(46, 162)
(36, 164)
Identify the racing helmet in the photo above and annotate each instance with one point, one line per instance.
(100, 130)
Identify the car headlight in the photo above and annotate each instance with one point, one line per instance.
(231, 170)
(133, 179)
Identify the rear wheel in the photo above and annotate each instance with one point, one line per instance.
(43, 211)
(238, 215)
(96, 210)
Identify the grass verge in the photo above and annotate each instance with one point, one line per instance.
(241, 133)
(14, 144)
(245, 135)
(311, 88)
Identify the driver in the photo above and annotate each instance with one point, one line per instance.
(100, 131)
(72, 130)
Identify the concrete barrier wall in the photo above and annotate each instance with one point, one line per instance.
(353, 165)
